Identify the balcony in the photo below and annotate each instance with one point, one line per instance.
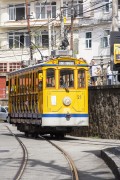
(94, 21)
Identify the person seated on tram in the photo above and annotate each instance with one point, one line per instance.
(71, 84)
(61, 81)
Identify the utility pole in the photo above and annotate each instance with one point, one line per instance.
(53, 36)
(72, 18)
(49, 33)
(62, 22)
(114, 15)
(29, 32)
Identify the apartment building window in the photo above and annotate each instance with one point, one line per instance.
(18, 12)
(14, 66)
(18, 40)
(41, 39)
(3, 67)
(44, 10)
(105, 41)
(78, 8)
(88, 39)
(107, 6)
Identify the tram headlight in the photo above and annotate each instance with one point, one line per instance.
(67, 101)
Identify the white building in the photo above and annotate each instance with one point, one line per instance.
(94, 31)
(91, 33)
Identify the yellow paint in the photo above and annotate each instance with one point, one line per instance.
(40, 76)
(116, 53)
(50, 100)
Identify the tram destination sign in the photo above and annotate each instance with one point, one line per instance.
(66, 63)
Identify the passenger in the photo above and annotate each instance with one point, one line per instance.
(93, 73)
(49, 85)
(71, 84)
(61, 81)
(99, 80)
(109, 75)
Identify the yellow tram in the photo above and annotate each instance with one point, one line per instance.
(50, 97)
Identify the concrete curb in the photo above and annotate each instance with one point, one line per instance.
(112, 159)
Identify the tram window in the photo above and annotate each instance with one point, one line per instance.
(50, 78)
(26, 82)
(21, 82)
(18, 86)
(23, 86)
(36, 81)
(13, 85)
(40, 78)
(66, 78)
(81, 78)
(30, 82)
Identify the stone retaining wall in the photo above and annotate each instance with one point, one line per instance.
(104, 113)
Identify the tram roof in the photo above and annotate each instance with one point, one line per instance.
(46, 63)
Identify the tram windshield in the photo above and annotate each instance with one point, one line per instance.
(66, 78)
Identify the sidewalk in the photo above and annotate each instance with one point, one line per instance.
(112, 158)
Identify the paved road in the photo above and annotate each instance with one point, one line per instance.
(86, 152)
(47, 163)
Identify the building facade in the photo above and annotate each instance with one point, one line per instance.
(92, 23)
(91, 29)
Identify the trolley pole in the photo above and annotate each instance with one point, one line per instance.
(53, 36)
(72, 18)
(29, 32)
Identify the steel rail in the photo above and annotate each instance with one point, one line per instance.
(74, 170)
(24, 159)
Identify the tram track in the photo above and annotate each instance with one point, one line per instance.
(74, 171)
(42, 164)
(24, 158)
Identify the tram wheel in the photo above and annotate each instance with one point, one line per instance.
(8, 119)
(62, 135)
(51, 135)
(59, 136)
(34, 135)
(26, 134)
